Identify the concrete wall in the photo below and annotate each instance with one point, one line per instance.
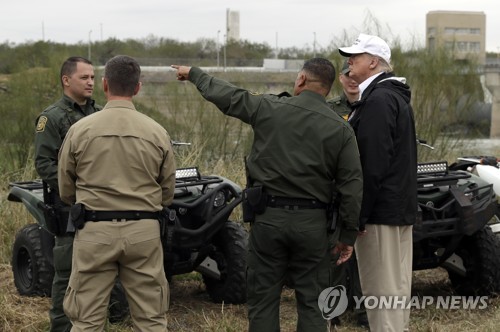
(493, 84)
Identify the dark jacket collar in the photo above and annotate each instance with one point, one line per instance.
(370, 88)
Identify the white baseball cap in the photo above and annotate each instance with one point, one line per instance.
(368, 44)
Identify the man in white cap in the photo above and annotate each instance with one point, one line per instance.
(385, 130)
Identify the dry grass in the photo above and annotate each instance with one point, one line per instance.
(191, 309)
(20, 313)
(435, 283)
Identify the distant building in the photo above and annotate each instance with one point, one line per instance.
(464, 33)
(232, 25)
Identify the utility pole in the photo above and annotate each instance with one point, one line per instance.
(277, 50)
(314, 45)
(89, 44)
(218, 49)
(225, 42)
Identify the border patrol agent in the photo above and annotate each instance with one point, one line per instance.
(300, 148)
(77, 79)
(118, 166)
(342, 104)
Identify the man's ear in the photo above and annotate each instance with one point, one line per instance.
(105, 86)
(137, 88)
(301, 80)
(65, 80)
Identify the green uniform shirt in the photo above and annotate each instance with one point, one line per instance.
(51, 128)
(300, 146)
(340, 105)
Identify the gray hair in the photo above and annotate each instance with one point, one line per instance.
(384, 64)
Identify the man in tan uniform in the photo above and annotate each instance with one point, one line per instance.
(117, 167)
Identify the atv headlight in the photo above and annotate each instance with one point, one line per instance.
(189, 173)
(432, 168)
(220, 199)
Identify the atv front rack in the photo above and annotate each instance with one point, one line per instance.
(198, 198)
(213, 220)
(435, 174)
(186, 177)
(449, 207)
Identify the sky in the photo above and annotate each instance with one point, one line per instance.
(279, 23)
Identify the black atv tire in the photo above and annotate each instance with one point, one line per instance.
(231, 245)
(32, 271)
(481, 258)
(118, 308)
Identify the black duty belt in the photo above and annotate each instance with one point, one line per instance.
(119, 215)
(294, 203)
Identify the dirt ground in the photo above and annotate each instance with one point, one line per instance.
(190, 306)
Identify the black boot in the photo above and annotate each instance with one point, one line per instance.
(362, 320)
(335, 321)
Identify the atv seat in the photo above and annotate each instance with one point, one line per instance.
(28, 185)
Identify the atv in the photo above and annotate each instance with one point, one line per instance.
(199, 237)
(488, 169)
(455, 212)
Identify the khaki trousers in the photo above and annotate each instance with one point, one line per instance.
(385, 256)
(130, 249)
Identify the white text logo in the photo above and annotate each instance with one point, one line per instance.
(333, 302)
(415, 302)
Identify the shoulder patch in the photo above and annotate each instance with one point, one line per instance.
(40, 126)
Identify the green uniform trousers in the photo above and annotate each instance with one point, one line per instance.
(133, 251)
(63, 251)
(287, 245)
(347, 275)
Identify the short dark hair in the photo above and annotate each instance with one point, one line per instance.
(322, 70)
(122, 74)
(68, 67)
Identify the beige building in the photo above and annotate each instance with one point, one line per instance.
(232, 25)
(462, 32)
